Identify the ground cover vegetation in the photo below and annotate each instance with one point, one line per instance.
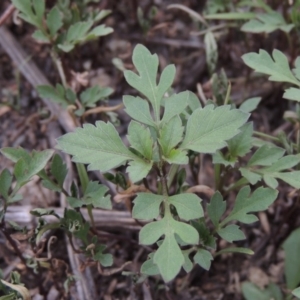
(191, 164)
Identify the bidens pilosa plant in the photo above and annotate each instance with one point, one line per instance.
(164, 137)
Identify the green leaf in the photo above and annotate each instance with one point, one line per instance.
(291, 248)
(54, 21)
(149, 268)
(187, 265)
(51, 186)
(169, 258)
(147, 65)
(100, 30)
(265, 156)
(250, 104)
(95, 195)
(296, 292)
(231, 233)
(39, 212)
(99, 146)
(209, 128)
(216, 208)
(206, 238)
(138, 169)
(93, 94)
(235, 250)
(241, 144)
(140, 139)
(270, 181)
(39, 8)
(251, 292)
(245, 203)
(58, 169)
(170, 135)
(40, 36)
(74, 202)
(231, 16)
(106, 260)
(151, 232)
(138, 109)
(252, 177)
(268, 23)
(55, 94)
(5, 183)
(146, 206)
(278, 69)
(177, 156)
(187, 206)
(25, 170)
(78, 31)
(292, 94)
(14, 154)
(175, 105)
(203, 258)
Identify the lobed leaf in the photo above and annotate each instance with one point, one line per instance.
(203, 258)
(209, 128)
(245, 204)
(99, 146)
(277, 68)
(231, 233)
(138, 109)
(147, 66)
(140, 139)
(146, 206)
(187, 206)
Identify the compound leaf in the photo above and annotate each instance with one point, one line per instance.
(209, 128)
(100, 146)
(245, 203)
(278, 69)
(146, 206)
(147, 66)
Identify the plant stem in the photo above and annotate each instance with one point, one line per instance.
(267, 136)
(59, 67)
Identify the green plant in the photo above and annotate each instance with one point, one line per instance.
(14, 289)
(66, 25)
(291, 248)
(163, 145)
